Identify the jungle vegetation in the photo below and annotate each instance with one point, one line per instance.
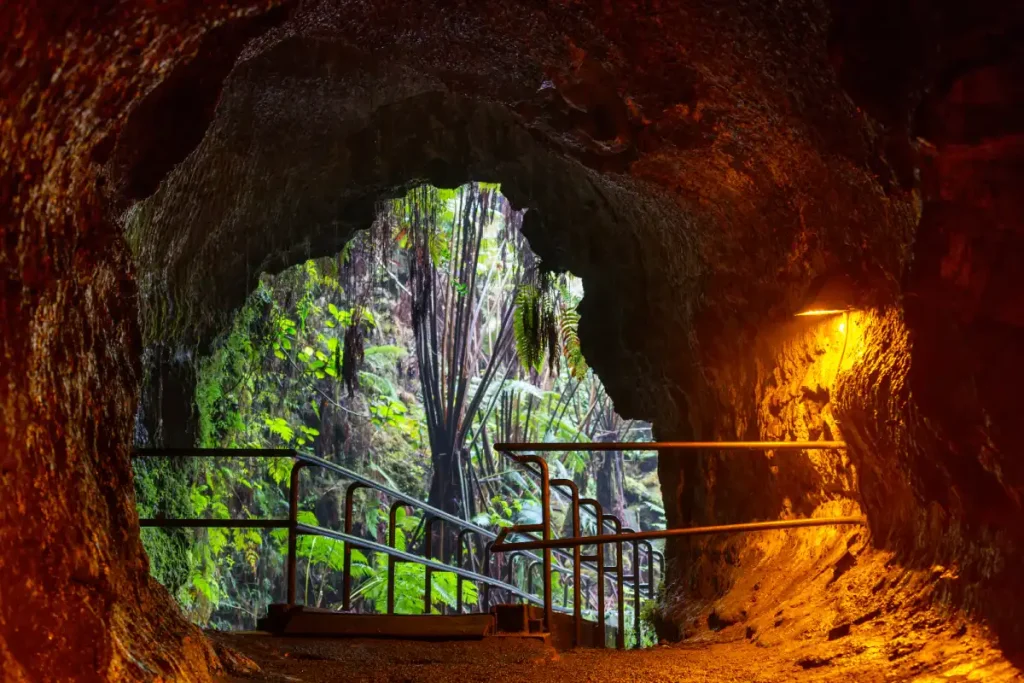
(405, 357)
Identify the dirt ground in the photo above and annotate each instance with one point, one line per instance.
(500, 660)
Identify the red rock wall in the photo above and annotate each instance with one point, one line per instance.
(76, 602)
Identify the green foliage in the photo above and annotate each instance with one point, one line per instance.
(568, 324)
(314, 365)
(545, 324)
(531, 315)
(410, 581)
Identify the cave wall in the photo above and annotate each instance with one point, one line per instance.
(76, 602)
(699, 164)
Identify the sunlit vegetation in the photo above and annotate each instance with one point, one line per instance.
(406, 357)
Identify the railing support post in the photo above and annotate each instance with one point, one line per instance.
(428, 552)
(293, 531)
(598, 557)
(577, 605)
(636, 589)
(529, 575)
(545, 507)
(650, 569)
(487, 573)
(392, 562)
(462, 539)
(346, 578)
(620, 637)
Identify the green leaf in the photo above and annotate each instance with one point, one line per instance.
(199, 501)
(218, 540)
(203, 586)
(280, 427)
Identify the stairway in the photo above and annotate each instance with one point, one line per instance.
(503, 621)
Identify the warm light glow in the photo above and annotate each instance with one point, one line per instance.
(822, 311)
(842, 327)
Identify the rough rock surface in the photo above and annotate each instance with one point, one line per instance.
(698, 164)
(76, 601)
(862, 657)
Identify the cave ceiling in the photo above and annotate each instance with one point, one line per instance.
(652, 148)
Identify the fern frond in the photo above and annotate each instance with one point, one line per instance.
(526, 323)
(569, 321)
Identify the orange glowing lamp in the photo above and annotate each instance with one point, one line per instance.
(822, 311)
(832, 298)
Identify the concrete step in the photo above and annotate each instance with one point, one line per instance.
(504, 621)
(310, 621)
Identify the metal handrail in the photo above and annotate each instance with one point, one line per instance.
(545, 526)
(554, 447)
(674, 533)
(636, 538)
(586, 560)
(507, 448)
(296, 528)
(396, 495)
(404, 556)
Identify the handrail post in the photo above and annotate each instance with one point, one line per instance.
(510, 570)
(636, 589)
(392, 562)
(428, 552)
(293, 531)
(660, 557)
(599, 558)
(529, 575)
(461, 540)
(577, 605)
(620, 637)
(346, 578)
(487, 573)
(545, 503)
(650, 569)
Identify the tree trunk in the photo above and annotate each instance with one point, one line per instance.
(445, 489)
(609, 486)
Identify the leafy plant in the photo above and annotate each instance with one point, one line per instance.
(405, 358)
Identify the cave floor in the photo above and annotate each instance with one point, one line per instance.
(496, 660)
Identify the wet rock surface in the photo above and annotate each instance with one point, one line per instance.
(698, 164)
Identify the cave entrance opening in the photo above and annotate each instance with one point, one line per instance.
(403, 357)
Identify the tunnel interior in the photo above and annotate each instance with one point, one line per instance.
(706, 169)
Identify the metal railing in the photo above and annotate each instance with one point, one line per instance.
(295, 529)
(601, 521)
(625, 535)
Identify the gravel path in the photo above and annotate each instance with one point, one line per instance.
(500, 660)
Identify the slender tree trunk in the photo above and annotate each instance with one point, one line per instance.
(609, 485)
(445, 490)
(609, 482)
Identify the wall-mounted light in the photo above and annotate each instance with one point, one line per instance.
(835, 296)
